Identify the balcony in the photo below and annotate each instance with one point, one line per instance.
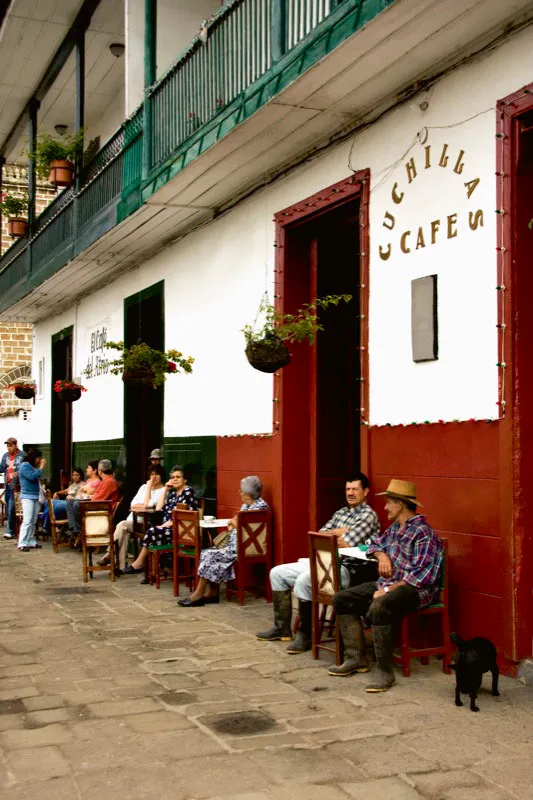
(288, 73)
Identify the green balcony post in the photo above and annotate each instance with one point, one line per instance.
(33, 107)
(150, 74)
(278, 29)
(80, 102)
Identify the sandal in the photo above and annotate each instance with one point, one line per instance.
(129, 570)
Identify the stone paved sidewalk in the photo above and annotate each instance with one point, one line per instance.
(112, 691)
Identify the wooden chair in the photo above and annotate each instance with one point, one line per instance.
(187, 547)
(153, 560)
(440, 607)
(325, 582)
(96, 532)
(3, 511)
(254, 546)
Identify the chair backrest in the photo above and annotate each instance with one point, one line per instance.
(97, 522)
(324, 564)
(50, 505)
(186, 528)
(254, 534)
(443, 594)
(201, 506)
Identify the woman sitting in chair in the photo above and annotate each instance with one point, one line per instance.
(216, 563)
(59, 501)
(176, 491)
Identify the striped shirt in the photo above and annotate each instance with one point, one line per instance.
(361, 520)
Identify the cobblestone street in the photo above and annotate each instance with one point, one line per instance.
(112, 691)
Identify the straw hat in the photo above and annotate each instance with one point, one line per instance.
(401, 490)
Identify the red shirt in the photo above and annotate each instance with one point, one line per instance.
(107, 490)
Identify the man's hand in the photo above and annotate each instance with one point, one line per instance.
(384, 565)
(55, 496)
(379, 593)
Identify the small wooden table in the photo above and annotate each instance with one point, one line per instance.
(143, 519)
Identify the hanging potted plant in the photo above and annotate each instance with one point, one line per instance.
(24, 390)
(142, 364)
(15, 208)
(266, 348)
(68, 391)
(54, 158)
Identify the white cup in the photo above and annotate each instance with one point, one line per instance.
(209, 518)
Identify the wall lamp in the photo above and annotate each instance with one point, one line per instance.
(117, 49)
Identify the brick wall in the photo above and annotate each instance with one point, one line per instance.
(15, 353)
(15, 181)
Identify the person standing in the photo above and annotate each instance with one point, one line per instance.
(9, 465)
(30, 472)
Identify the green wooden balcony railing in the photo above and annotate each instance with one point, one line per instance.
(251, 51)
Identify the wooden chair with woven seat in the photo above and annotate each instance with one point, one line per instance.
(440, 607)
(325, 582)
(156, 551)
(187, 547)
(96, 533)
(254, 546)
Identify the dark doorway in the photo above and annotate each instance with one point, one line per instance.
(61, 427)
(143, 406)
(321, 388)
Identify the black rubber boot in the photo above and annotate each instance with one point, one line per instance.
(302, 643)
(383, 645)
(282, 619)
(353, 640)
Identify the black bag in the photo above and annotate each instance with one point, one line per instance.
(361, 571)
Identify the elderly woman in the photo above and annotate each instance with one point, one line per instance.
(216, 564)
(176, 491)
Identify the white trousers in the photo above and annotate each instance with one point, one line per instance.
(297, 576)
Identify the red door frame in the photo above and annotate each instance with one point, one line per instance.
(517, 550)
(356, 186)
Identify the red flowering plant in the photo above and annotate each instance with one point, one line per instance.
(65, 384)
(146, 364)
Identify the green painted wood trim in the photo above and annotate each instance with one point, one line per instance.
(150, 75)
(83, 452)
(198, 456)
(46, 450)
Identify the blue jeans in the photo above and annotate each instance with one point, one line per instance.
(74, 515)
(30, 512)
(9, 497)
(60, 512)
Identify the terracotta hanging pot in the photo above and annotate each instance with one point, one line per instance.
(17, 227)
(268, 355)
(25, 392)
(61, 173)
(69, 395)
(139, 377)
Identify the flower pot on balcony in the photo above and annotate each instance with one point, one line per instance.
(139, 377)
(69, 395)
(17, 227)
(268, 354)
(25, 392)
(61, 173)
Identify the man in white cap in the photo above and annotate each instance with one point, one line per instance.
(409, 556)
(9, 465)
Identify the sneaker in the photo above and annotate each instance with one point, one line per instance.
(9, 536)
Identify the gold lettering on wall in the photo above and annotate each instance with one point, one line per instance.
(420, 239)
(471, 186)
(385, 254)
(435, 225)
(389, 219)
(459, 163)
(403, 243)
(427, 148)
(397, 198)
(444, 158)
(452, 222)
(411, 170)
(475, 219)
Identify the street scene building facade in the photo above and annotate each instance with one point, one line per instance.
(377, 148)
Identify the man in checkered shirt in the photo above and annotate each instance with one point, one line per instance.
(353, 524)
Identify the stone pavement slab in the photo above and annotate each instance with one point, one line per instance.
(109, 690)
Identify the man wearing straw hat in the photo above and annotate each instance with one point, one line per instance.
(409, 556)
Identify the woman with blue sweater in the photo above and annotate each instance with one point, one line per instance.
(30, 472)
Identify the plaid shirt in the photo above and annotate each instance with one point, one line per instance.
(361, 520)
(416, 555)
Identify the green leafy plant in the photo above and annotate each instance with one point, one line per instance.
(303, 325)
(13, 205)
(47, 149)
(155, 364)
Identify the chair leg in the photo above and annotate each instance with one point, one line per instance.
(91, 572)
(175, 576)
(447, 656)
(406, 660)
(338, 642)
(240, 583)
(268, 587)
(424, 660)
(148, 567)
(84, 556)
(315, 629)
(157, 555)
(112, 559)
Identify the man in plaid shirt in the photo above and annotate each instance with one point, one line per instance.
(409, 556)
(354, 524)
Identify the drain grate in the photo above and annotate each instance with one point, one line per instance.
(242, 723)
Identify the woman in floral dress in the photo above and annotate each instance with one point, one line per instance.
(176, 491)
(216, 565)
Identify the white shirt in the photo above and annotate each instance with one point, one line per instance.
(138, 500)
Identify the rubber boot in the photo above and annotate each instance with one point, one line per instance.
(383, 645)
(302, 643)
(353, 640)
(282, 619)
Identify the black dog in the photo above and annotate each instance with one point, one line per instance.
(475, 657)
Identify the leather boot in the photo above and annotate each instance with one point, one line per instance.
(282, 619)
(302, 643)
(353, 640)
(383, 645)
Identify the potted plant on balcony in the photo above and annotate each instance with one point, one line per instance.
(54, 158)
(68, 391)
(266, 348)
(142, 364)
(24, 390)
(15, 207)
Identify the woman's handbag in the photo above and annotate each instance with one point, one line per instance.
(360, 570)
(42, 494)
(221, 540)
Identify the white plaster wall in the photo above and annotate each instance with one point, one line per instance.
(214, 278)
(16, 426)
(178, 22)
